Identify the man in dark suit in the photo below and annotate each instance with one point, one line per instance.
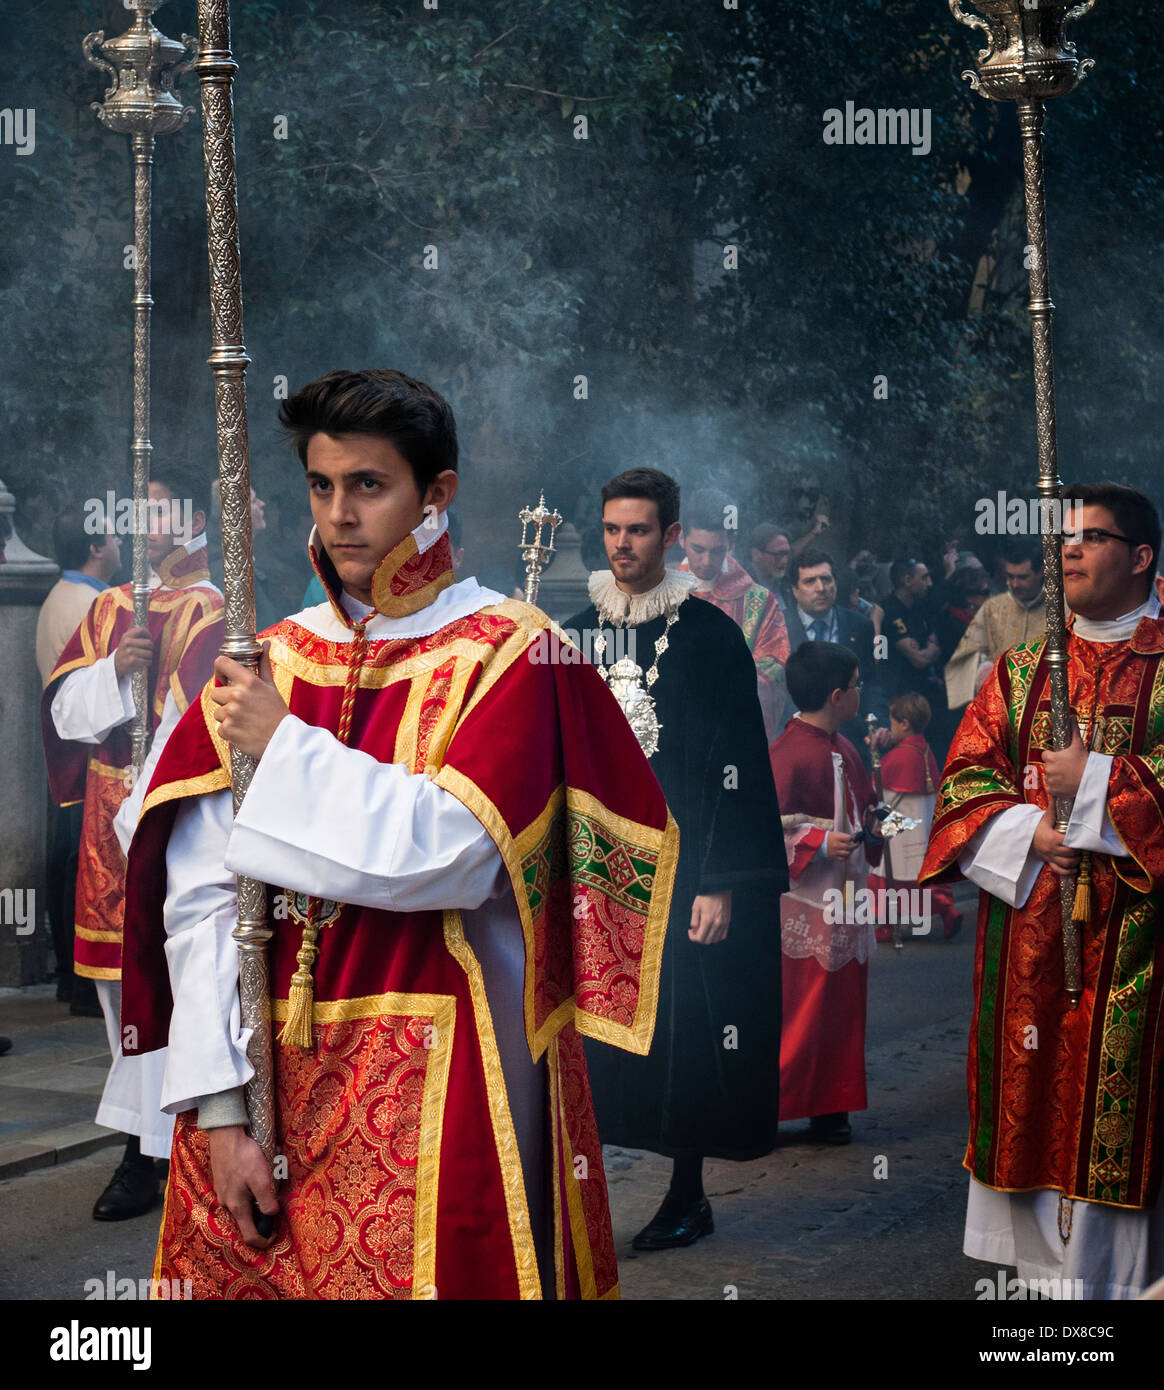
(814, 615)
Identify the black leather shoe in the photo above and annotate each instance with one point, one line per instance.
(673, 1225)
(831, 1129)
(132, 1191)
(5, 1046)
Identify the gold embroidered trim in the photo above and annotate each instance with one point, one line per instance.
(578, 1232)
(559, 1246)
(409, 727)
(215, 781)
(98, 972)
(504, 1136)
(93, 934)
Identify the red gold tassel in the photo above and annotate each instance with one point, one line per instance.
(297, 1031)
(1081, 908)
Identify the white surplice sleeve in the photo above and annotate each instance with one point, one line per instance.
(207, 1049)
(91, 702)
(1090, 825)
(329, 820)
(998, 858)
(125, 822)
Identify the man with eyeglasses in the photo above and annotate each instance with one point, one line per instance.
(1066, 1143)
(770, 552)
(1018, 615)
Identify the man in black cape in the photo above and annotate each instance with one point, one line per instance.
(685, 678)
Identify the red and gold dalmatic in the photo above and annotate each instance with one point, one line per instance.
(185, 623)
(1064, 1099)
(405, 1179)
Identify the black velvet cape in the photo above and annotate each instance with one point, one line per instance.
(710, 1083)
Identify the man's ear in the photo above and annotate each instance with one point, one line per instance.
(1143, 559)
(197, 523)
(672, 534)
(441, 491)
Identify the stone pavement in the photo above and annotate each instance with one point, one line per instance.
(50, 1083)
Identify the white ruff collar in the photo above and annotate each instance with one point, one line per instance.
(1116, 629)
(633, 609)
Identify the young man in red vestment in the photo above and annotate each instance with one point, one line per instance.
(831, 837)
(722, 580)
(909, 783)
(87, 714)
(1066, 1142)
(470, 867)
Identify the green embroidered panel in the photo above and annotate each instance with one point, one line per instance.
(991, 964)
(616, 868)
(1124, 1026)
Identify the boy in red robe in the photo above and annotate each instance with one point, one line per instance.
(830, 834)
(909, 784)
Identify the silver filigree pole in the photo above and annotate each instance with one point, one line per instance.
(1027, 61)
(141, 65)
(228, 362)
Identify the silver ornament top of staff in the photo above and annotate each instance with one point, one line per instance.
(141, 65)
(1026, 53)
(535, 550)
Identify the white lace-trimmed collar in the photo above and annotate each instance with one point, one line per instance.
(459, 600)
(1116, 629)
(632, 609)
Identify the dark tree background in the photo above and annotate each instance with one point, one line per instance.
(456, 128)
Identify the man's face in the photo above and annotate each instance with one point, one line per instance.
(109, 554)
(160, 522)
(635, 545)
(919, 582)
(771, 563)
(364, 500)
(849, 699)
(705, 551)
(1023, 581)
(1104, 580)
(815, 589)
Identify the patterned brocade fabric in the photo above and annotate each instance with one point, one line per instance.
(1060, 1098)
(357, 1158)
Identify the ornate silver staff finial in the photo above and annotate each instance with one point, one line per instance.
(141, 65)
(534, 550)
(1028, 60)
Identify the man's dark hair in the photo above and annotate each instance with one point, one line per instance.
(900, 571)
(412, 417)
(815, 670)
(764, 533)
(650, 484)
(196, 491)
(808, 559)
(706, 510)
(969, 579)
(1018, 552)
(1134, 515)
(71, 541)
